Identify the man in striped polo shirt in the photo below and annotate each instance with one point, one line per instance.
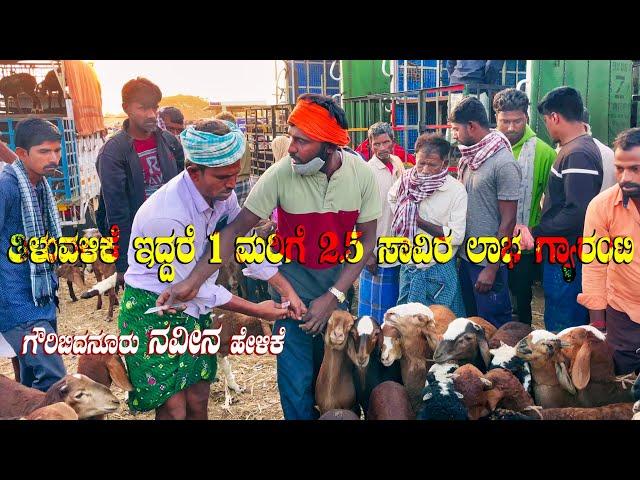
(322, 188)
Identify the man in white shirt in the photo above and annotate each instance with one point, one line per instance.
(177, 386)
(608, 169)
(426, 200)
(379, 284)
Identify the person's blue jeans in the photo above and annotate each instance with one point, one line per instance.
(561, 307)
(495, 305)
(41, 370)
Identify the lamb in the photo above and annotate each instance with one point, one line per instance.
(416, 338)
(507, 391)
(339, 414)
(74, 275)
(510, 334)
(232, 323)
(615, 411)
(390, 401)
(55, 411)
(474, 387)
(86, 397)
(334, 385)
(106, 271)
(552, 384)
(505, 357)
(368, 370)
(592, 367)
(464, 342)
(440, 400)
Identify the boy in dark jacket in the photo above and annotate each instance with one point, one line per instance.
(134, 163)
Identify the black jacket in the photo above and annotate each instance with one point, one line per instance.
(122, 182)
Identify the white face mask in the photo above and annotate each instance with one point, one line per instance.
(308, 168)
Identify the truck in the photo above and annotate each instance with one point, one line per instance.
(66, 93)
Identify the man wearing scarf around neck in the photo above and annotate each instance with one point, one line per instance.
(323, 188)
(535, 158)
(177, 386)
(427, 200)
(28, 290)
(492, 179)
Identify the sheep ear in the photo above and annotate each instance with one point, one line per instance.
(581, 369)
(118, 373)
(64, 388)
(432, 339)
(483, 345)
(459, 395)
(427, 396)
(502, 344)
(564, 378)
(486, 383)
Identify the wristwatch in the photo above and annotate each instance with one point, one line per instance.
(338, 294)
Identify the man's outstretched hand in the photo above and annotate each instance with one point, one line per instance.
(179, 292)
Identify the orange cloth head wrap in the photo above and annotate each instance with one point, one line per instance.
(318, 124)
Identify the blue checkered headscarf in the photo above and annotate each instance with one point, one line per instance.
(213, 150)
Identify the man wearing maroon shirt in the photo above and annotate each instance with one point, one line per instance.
(134, 163)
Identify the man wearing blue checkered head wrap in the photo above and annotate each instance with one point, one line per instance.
(203, 147)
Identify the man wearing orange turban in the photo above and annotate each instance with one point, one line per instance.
(321, 187)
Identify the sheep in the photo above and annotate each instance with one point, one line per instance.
(507, 391)
(390, 401)
(474, 387)
(464, 342)
(416, 326)
(551, 382)
(339, 414)
(636, 410)
(615, 411)
(74, 275)
(510, 334)
(232, 323)
(592, 367)
(505, 357)
(368, 371)
(105, 275)
(334, 385)
(86, 397)
(55, 411)
(440, 400)
(105, 369)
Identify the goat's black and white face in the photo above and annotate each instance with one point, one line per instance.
(364, 335)
(462, 343)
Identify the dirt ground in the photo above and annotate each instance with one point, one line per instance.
(257, 374)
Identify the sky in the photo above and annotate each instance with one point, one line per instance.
(215, 80)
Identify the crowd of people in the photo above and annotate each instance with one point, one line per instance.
(158, 176)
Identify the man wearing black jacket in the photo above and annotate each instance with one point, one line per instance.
(575, 178)
(134, 163)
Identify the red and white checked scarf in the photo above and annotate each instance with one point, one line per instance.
(414, 187)
(475, 155)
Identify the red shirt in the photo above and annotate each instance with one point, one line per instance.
(398, 151)
(147, 151)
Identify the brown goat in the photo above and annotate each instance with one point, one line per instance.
(507, 391)
(390, 401)
(416, 326)
(105, 275)
(551, 382)
(55, 411)
(334, 385)
(510, 334)
(74, 275)
(615, 411)
(471, 383)
(232, 323)
(86, 397)
(592, 367)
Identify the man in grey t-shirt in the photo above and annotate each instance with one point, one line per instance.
(492, 178)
